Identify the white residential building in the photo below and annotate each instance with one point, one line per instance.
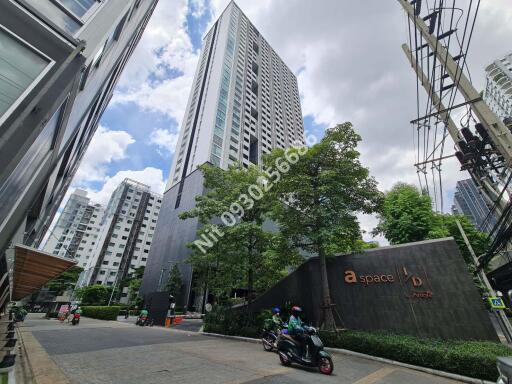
(498, 90)
(244, 102)
(75, 235)
(126, 234)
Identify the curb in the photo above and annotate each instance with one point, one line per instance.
(435, 372)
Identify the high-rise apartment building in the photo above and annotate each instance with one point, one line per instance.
(75, 234)
(61, 60)
(126, 233)
(498, 89)
(243, 103)
(468, 201)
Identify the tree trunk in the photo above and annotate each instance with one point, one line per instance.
(328, 321)
(250, 273)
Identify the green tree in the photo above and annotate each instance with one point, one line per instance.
(445, 225)
(94, 294)
(174, 282)
(237, 253)
(133, 282)
(322, 193)
(406, 215)
(64, 281)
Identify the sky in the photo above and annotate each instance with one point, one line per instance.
(350, 67)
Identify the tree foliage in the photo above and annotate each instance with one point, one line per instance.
(407, 216)
(96, 294)
(322, 194)
(245, 255)
(174, 282)
(66, 280)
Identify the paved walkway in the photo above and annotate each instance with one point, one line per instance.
(120, 352)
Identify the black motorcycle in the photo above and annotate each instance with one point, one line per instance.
(269, 340)
(311, 354)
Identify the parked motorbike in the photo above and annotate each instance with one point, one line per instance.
(311, 354)
(76, 319)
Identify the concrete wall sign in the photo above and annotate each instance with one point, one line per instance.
(422, 289)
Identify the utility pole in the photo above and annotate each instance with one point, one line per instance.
(502, 317)
(489, 189)
(489, 159)
(497, 130)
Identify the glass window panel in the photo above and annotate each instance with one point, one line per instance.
(58, 16)
(78, 7)
(20, 178)
(19, 67)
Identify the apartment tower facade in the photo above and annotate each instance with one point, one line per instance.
(243, 103)
(498, 89)
(61, 62)
(468, 201)
(126, 234)
(76, 232)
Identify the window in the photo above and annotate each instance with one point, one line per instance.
(78, 7)
(21, 66)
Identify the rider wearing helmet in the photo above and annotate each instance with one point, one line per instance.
(295, 323)
(296, 329)
(276, 318)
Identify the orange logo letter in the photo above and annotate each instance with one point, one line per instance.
(350, 277)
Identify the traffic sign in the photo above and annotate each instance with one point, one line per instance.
(497, 303)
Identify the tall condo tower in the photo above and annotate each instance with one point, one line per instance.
(498, 88)
(243, 103)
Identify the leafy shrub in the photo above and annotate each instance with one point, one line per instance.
(241, 323)
(469, 358)
(101, 312)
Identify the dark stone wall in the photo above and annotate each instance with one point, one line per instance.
(169, 246)
(444, 303)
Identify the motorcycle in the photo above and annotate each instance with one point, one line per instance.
(270, 336)
(144, 320)
(76, 319)
(311, 354)
(141, 320)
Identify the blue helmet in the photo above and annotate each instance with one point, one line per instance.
(276, 310)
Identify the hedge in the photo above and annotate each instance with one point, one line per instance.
(469, 358)
(101, 312)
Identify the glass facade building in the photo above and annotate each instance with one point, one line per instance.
(60, 61)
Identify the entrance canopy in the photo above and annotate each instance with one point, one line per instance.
(33, 269)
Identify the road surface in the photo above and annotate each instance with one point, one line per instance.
(120, 352)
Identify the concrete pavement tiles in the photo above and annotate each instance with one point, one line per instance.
(128, 354)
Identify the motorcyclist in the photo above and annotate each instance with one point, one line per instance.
(276, 318)
(143, 314)
(296, 327)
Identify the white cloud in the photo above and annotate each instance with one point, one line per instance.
(164, 48)
(106, 146)
(165, 140)
(150, 176)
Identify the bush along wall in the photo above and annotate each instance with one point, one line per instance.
(101, 312)
(468, 358)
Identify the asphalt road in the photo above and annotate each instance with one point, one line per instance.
(120, 352)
